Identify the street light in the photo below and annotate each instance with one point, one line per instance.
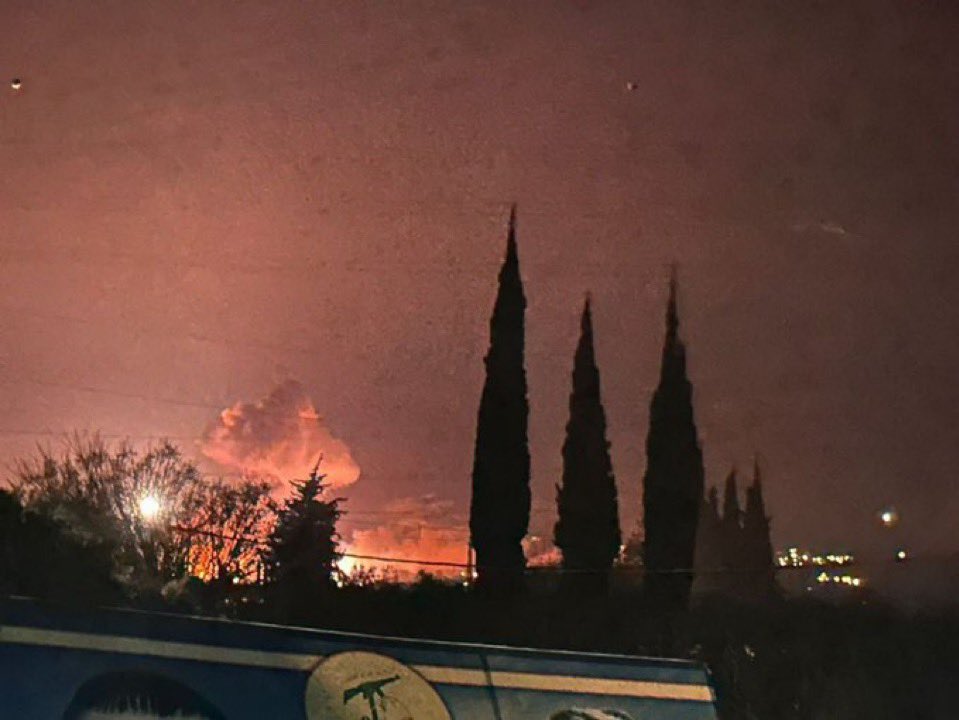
(149, 507)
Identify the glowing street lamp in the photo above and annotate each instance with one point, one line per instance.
(149, 507)
(889, 517)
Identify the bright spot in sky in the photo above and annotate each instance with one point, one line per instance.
(149, 507)
(889, 517)
(901, 555)
(16, 84)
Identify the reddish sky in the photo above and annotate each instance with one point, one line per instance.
(199, 200)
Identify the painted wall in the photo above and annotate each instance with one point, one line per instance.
(124, 664)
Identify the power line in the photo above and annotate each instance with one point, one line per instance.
(532, 569)
(219, 407)
(165, 335)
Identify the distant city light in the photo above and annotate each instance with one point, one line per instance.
(796, 558)
(900, 555)
(889, 517)
(149, 507)
(849, 580)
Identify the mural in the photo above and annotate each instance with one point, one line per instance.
(369, 686)
(137, 696)
(132, 665)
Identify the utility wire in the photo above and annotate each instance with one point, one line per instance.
(534, 569)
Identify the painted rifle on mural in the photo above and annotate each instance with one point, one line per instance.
(96, 665)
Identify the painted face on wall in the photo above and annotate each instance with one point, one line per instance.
(138, 696)
(590, 714)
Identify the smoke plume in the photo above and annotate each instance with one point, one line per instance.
(282, 436)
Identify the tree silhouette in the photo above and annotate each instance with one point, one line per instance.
(731, 533)
(97, 492)
(228, 529)
(709, 547)
(500, 503)
(760, 578)
(41, 558)
(587, 530)
(302, 549)
(673, 483)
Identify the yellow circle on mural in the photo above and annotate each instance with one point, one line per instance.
(367, 686)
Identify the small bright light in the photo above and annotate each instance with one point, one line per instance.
(16, 84)
(149, 507)
(889, 517)
(901, 555)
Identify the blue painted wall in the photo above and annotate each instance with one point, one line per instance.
(244, 670)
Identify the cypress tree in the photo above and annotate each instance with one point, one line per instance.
(757, 546)
(587, 531)
(709, 553)
(500, 503)
(673, 483)
(731, 536)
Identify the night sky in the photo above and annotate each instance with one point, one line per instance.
(203, 203)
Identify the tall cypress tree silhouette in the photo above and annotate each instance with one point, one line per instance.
(709, 547)
(673, 483)
(731, 535)
(587, 530)
(500, 503)
(760, 578)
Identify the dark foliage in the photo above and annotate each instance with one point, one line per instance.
(709, 576)
(302, 549)
(673, 483)
(759, 582)
(731, 536)
(500, 503)
(734, 554)
(95, 492)
(40, 558)
(587, 530)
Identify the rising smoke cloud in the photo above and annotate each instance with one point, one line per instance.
(281, 436)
